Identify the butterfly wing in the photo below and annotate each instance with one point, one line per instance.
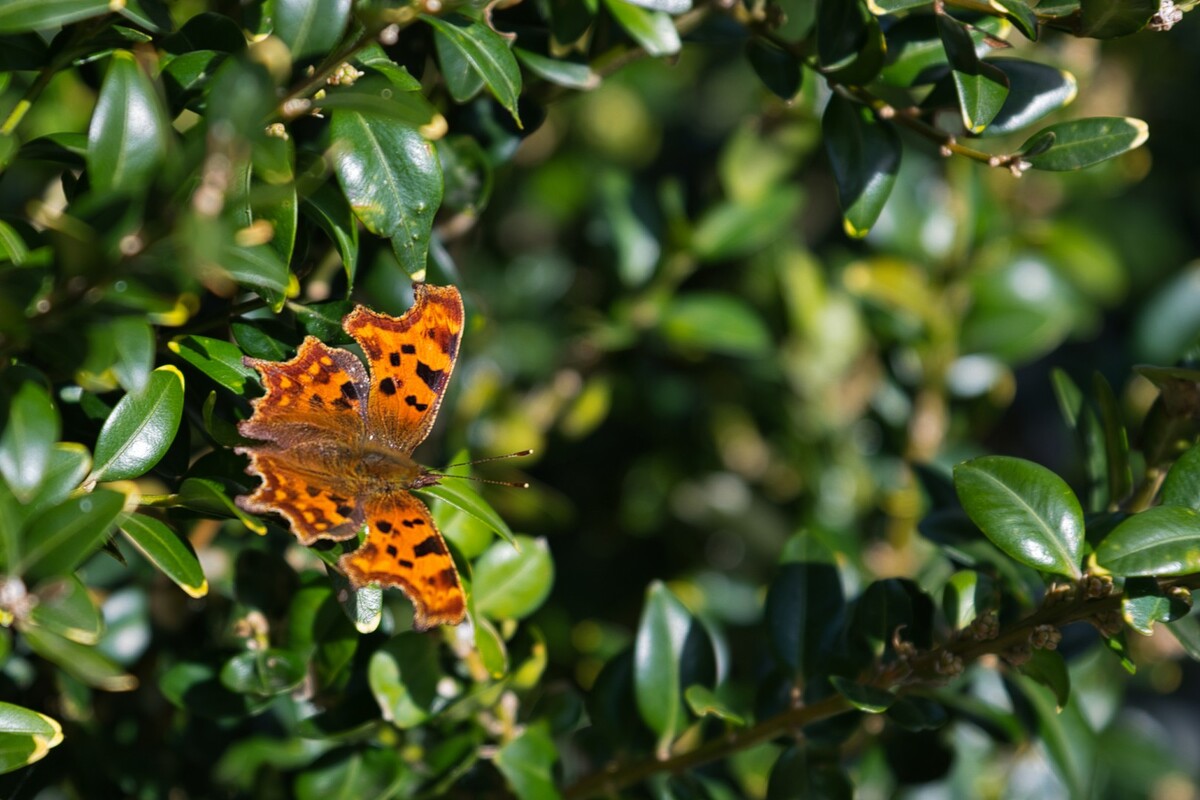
(311, 426)
(404, 549)
(411, 358)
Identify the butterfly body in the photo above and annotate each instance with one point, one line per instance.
(336, 442)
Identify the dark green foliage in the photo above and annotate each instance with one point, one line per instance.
(765, 554)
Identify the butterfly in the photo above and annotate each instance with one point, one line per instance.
(335, 443)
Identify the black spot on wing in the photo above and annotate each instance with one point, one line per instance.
(383, 526)
(412, 401)
(387, 386)
(404, 562)
(434, 378)
(431, 546)
(408, 349)
(449, 577)
(395, 359)
(349, 392)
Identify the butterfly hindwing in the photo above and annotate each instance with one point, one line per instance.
(404, 549)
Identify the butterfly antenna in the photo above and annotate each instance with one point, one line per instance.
(511, 484)
(518, 454)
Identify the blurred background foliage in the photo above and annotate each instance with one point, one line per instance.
(663, 303)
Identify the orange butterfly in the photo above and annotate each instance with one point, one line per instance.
(337, 441)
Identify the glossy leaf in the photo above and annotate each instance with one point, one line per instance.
(133, 339)
(488, 54)
(328, 208)
(403, 676)
(1024, 509)
(704, 703)
(870, 699)
(511, 582)
(363, 607)
(804, 609)
(25, 736)
(1144, 603)
(17, 16)
(864, 153)
(741, 228)
(654, 31)
(392, 179)
(778, 69)
(310, 27)
(841, 32)
(140, 429)
(1083, 142)
(196, 688)
(467, 500)
(170, 554)
(69, 464)
(527, 763)
(716, 323)
(800, 772)
(1048, 668)
(462, 80)
(216, 358)
(1106, 19)
(263, 672)
(1159, 541)
(84, 663)
(65, 608)
(571, 74)
(209, 496)
(1035, 90)
(63, 537)
(261, 269)
(1182, 484)
(1116, 441)
(1022, 16)
(129, 134)
(27, 440)
(981, 87)
(658, 651)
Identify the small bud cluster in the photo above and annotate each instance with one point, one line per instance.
(984, 627)
(1017, 655)
(948, 664)
(1045, 637)
(1166, 17)
(344, 75)
(276, 130)
(1097, 586)
(1109, 623)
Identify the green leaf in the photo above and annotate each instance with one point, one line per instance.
(1022, 16)
(25, 736)
(403, 675)
(658, 653)
(1066, 735)
(1116, 441)
(1182, 484)
(1083, 142)
(842, 31)
(958, 598)
(195, 688)
(209, 497)
(65, 608)
(1186, 631)
(571, 74)
(467, 500)
(17, 16)
(1106, 19)
(328, 208)
(870, 699)
(892, 6)
(1024, 509)
(1034, 90)
(488, 54)
(216, 358)
(916, 713)
(392, 178)
(319, 629)
(1159, 541)
(462, 80)
(738, 228)
(259, 268)
(129, 134)
(84, 663)
(803, 613)
(310, 27)
(1144, 602)
(141, 428)
(527, 763)
(363, 607)
(265, 673)
(490, 646)
(981, 87)
(808, 773)
(864, 153)
(69, 465)
(170, 554)
(704, 703)
(511, 581)
(779, 69)
(654, 31)
(28, 439)
(60, 539)
(717, 323)
(133, 339)
(1048, 668)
